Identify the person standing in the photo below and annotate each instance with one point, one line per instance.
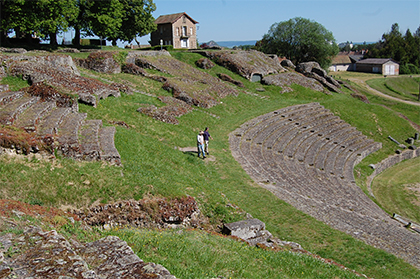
(207, 137)
(200, 144)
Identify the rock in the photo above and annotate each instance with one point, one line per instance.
(323, 81)
(284, 80)
(319, 71)
(131, 68)
(69, 50)
(307, 67)
(13, 50)
(101, 61)
(227, 78)
(252, 231)
(109, 257)
(333, 81)
(246, 63)
(204, 63)
(287, 63)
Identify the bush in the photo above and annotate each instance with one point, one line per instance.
(409, 69)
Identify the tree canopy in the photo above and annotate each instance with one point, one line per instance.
(402, 48)
(110, 19)
(300, 40)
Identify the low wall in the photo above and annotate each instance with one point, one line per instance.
(389, 162)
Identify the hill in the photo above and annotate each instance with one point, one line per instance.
(154, 165)
(231, 44)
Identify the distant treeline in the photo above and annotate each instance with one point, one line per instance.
(404, 49)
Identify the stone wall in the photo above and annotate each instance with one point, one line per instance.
(389, 162)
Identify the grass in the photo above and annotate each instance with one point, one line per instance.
(395, 189)
(153, 165)
(404, 87)
(197, 254)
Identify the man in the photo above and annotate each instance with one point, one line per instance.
(200, 144)
(206, 140)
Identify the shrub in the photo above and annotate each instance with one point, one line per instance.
(409, 69)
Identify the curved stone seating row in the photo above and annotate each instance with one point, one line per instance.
(305, 155)
(76, 137)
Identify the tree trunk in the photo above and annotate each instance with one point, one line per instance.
(76, 40)
(53, 39)
(114, 42)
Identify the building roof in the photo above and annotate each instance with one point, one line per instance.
(341, 59)
(375, 61)
(172, 18)
(356, 57)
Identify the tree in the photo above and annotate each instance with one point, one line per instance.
(300, 40)
(43, 17)
(403, 49)
(104, 17)
(137, 20)
(54, 16)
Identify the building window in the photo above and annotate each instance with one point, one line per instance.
(177, 31)
(191, 31)
(184, 30)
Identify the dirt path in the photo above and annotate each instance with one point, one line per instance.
(379, 93)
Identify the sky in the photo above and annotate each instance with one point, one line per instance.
(245, 20)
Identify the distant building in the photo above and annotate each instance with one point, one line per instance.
(385, 66)
(345, 61)
(178, 30)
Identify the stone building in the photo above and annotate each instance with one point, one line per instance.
(178, 30)
(385, 66)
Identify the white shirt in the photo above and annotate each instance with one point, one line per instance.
(200, 139)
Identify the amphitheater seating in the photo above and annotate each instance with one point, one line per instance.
(305, 155)
(73, 135)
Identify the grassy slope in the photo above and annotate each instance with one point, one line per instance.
(390, 189)
(404, 87)
(152, 165)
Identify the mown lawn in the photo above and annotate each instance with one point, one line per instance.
(154, 165)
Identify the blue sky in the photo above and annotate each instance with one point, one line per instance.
(243, 20)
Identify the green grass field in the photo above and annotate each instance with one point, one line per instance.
(153, 165)
(403, 87)
(397, 189)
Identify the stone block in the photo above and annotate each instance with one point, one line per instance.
(244, 229)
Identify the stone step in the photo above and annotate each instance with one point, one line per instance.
(8, 96)
(30, 118)
(68, 134)
(49, 125)
(108, 151)
(4, 87)
(89, 140)
(10, 111)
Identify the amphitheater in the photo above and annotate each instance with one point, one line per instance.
(59, 126)
(305, 155)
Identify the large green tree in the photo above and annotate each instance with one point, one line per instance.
(44, 17)
(105, 17)
(137, 20)
(300, 40)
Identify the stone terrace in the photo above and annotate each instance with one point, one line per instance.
(60, 72)
(57, 126)
(305, 155)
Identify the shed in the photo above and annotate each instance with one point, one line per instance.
(385, 66)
